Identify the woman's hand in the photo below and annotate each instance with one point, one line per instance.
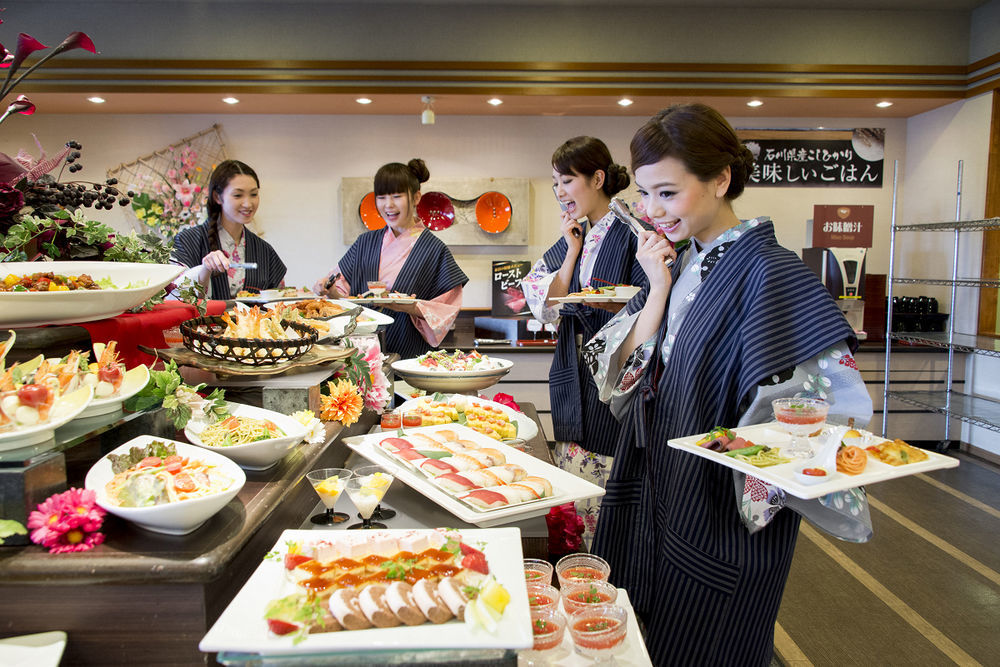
(566, 228)
(652, 252)
(212, 263)
(409, 308)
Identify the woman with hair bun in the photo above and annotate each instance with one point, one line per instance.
(408, 258)
(584, 179)
(737, 321)
(209, 249)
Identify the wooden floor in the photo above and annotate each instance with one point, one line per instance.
(924, 591)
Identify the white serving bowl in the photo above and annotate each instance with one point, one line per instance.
(178, 518)
(258, 455)
(420, 377)
(526, 428)
(627, 291)
(30, 309)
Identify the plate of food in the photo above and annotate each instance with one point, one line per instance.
(254, 438)
(440, 370)
(383, 298)
(330, 316)
(609, 294)
(164, 486)
(39, 293)
(279, 294)
(479, 480)
(29, 415)
(862, 458)
(319, 592)
(493, 419)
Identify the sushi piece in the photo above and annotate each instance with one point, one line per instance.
(488, 499)
(435, 467)
(410, 455)
(395, 444)
(456, 482)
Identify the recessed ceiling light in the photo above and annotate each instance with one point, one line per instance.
(624, 102)
(363, 100)
(884, 104)
(495, 101)
(754, 103)
(230, 100)
(819, 127)
(96, 100)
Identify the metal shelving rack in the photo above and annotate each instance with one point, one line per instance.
(974, 410)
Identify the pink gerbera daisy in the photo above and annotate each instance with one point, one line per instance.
(67, 521)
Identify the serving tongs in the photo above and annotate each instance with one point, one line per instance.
(634, 224)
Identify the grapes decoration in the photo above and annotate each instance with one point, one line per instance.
(46, 192)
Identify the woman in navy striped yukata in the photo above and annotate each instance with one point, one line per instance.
(407, 257)
(584, 178)
(216, 250)
(737, 321)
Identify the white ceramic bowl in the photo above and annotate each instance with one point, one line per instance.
(258, 455)
(30, 309)
(627, 291)
(65, 409)
(178, 518)
(450, 381)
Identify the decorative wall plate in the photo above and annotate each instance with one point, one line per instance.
(369, 213)
(436, 210)
(493, 212)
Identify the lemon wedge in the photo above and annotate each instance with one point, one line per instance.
(495, 596)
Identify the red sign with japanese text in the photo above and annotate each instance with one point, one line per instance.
(842, 226)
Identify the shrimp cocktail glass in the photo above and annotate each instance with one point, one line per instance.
(800, 417)
(329, 483)
(366, 490)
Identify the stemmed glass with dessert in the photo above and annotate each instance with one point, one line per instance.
(329, 483)
(799, 417)
(366, 490)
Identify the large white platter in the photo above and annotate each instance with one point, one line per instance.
(591, 298)
(135, 379)
(276, 295)
(526, 428)
(422, 377)
(259, 455)
(43, 649)
(32, 309)
(566, 486)
(783, 475)
(179, 518)
(242, 627)
(63, 410)
(383, 300)
(338, 322)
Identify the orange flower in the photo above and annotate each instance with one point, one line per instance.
(344, 404)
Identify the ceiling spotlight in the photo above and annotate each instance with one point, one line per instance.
(884, 104)
(754, 103)
(96, 100)
(230, 100)
(427, 115)
(624, 102)
(363, 100)
(495, 101)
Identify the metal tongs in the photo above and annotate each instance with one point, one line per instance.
(635, 225)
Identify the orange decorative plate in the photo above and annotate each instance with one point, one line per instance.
(436, 210)
(369, 213)
(493, 212)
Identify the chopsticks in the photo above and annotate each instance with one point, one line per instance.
(329, 283)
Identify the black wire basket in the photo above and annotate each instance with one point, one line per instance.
(204, 336)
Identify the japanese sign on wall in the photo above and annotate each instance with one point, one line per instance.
(508, 298)
(842, 226)
(855, 162)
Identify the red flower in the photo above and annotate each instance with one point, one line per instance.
(565, 529)
(508, 400)
(22, 105)
(67, 522)
(26, 45)
(76, 40)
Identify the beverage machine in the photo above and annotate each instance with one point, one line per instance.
(842, 271)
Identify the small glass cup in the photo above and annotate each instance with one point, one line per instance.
(599, 632)
(329, 483)
(537, 571)
(172, 337)
(585, 594)
(411, 419)
(799, 417)
(585, 568)
(543, 596)
(390, 421)
(366, 490)
(520, 444)
(548, 627)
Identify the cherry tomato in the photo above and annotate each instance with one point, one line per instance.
(817, 472)
(33, 395)
(184, 483)
(174, 467)
(110, 374)
(150, 462)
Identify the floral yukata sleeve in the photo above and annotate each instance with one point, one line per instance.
(536, 292)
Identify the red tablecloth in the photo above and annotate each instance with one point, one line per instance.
(133, 329)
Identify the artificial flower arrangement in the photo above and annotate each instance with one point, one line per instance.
(68, 522)
(176, 198)
(182, 402)
(360, 384)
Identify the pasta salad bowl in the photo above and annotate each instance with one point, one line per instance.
(249, 443)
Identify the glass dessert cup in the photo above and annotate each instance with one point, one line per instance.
(548, 627)
(586, 594)
(543, 596)
(537, 571)
(799, 417)
(599, 632)
(329, 483)
(581, 568)
(366, 490)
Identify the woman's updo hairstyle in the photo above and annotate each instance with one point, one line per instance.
(585, 156)
(698, 136)
(398, 177)
(224, 172)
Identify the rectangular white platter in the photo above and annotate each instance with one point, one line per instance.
(242, 628)
(783, 475)
(382, 300)
(592, 298)
(567, 487)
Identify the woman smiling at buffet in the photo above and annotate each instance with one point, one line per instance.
(216, 250)
(407, 257)
(584, 178)
(737, 321)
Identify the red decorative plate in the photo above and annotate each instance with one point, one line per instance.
(436, 210)
(493, 212)
(369, 213)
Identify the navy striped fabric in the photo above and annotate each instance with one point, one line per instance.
(577, 413)
(708, 590)
(429, 271)
(191, 245)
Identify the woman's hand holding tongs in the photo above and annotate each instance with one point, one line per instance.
(656, 256)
